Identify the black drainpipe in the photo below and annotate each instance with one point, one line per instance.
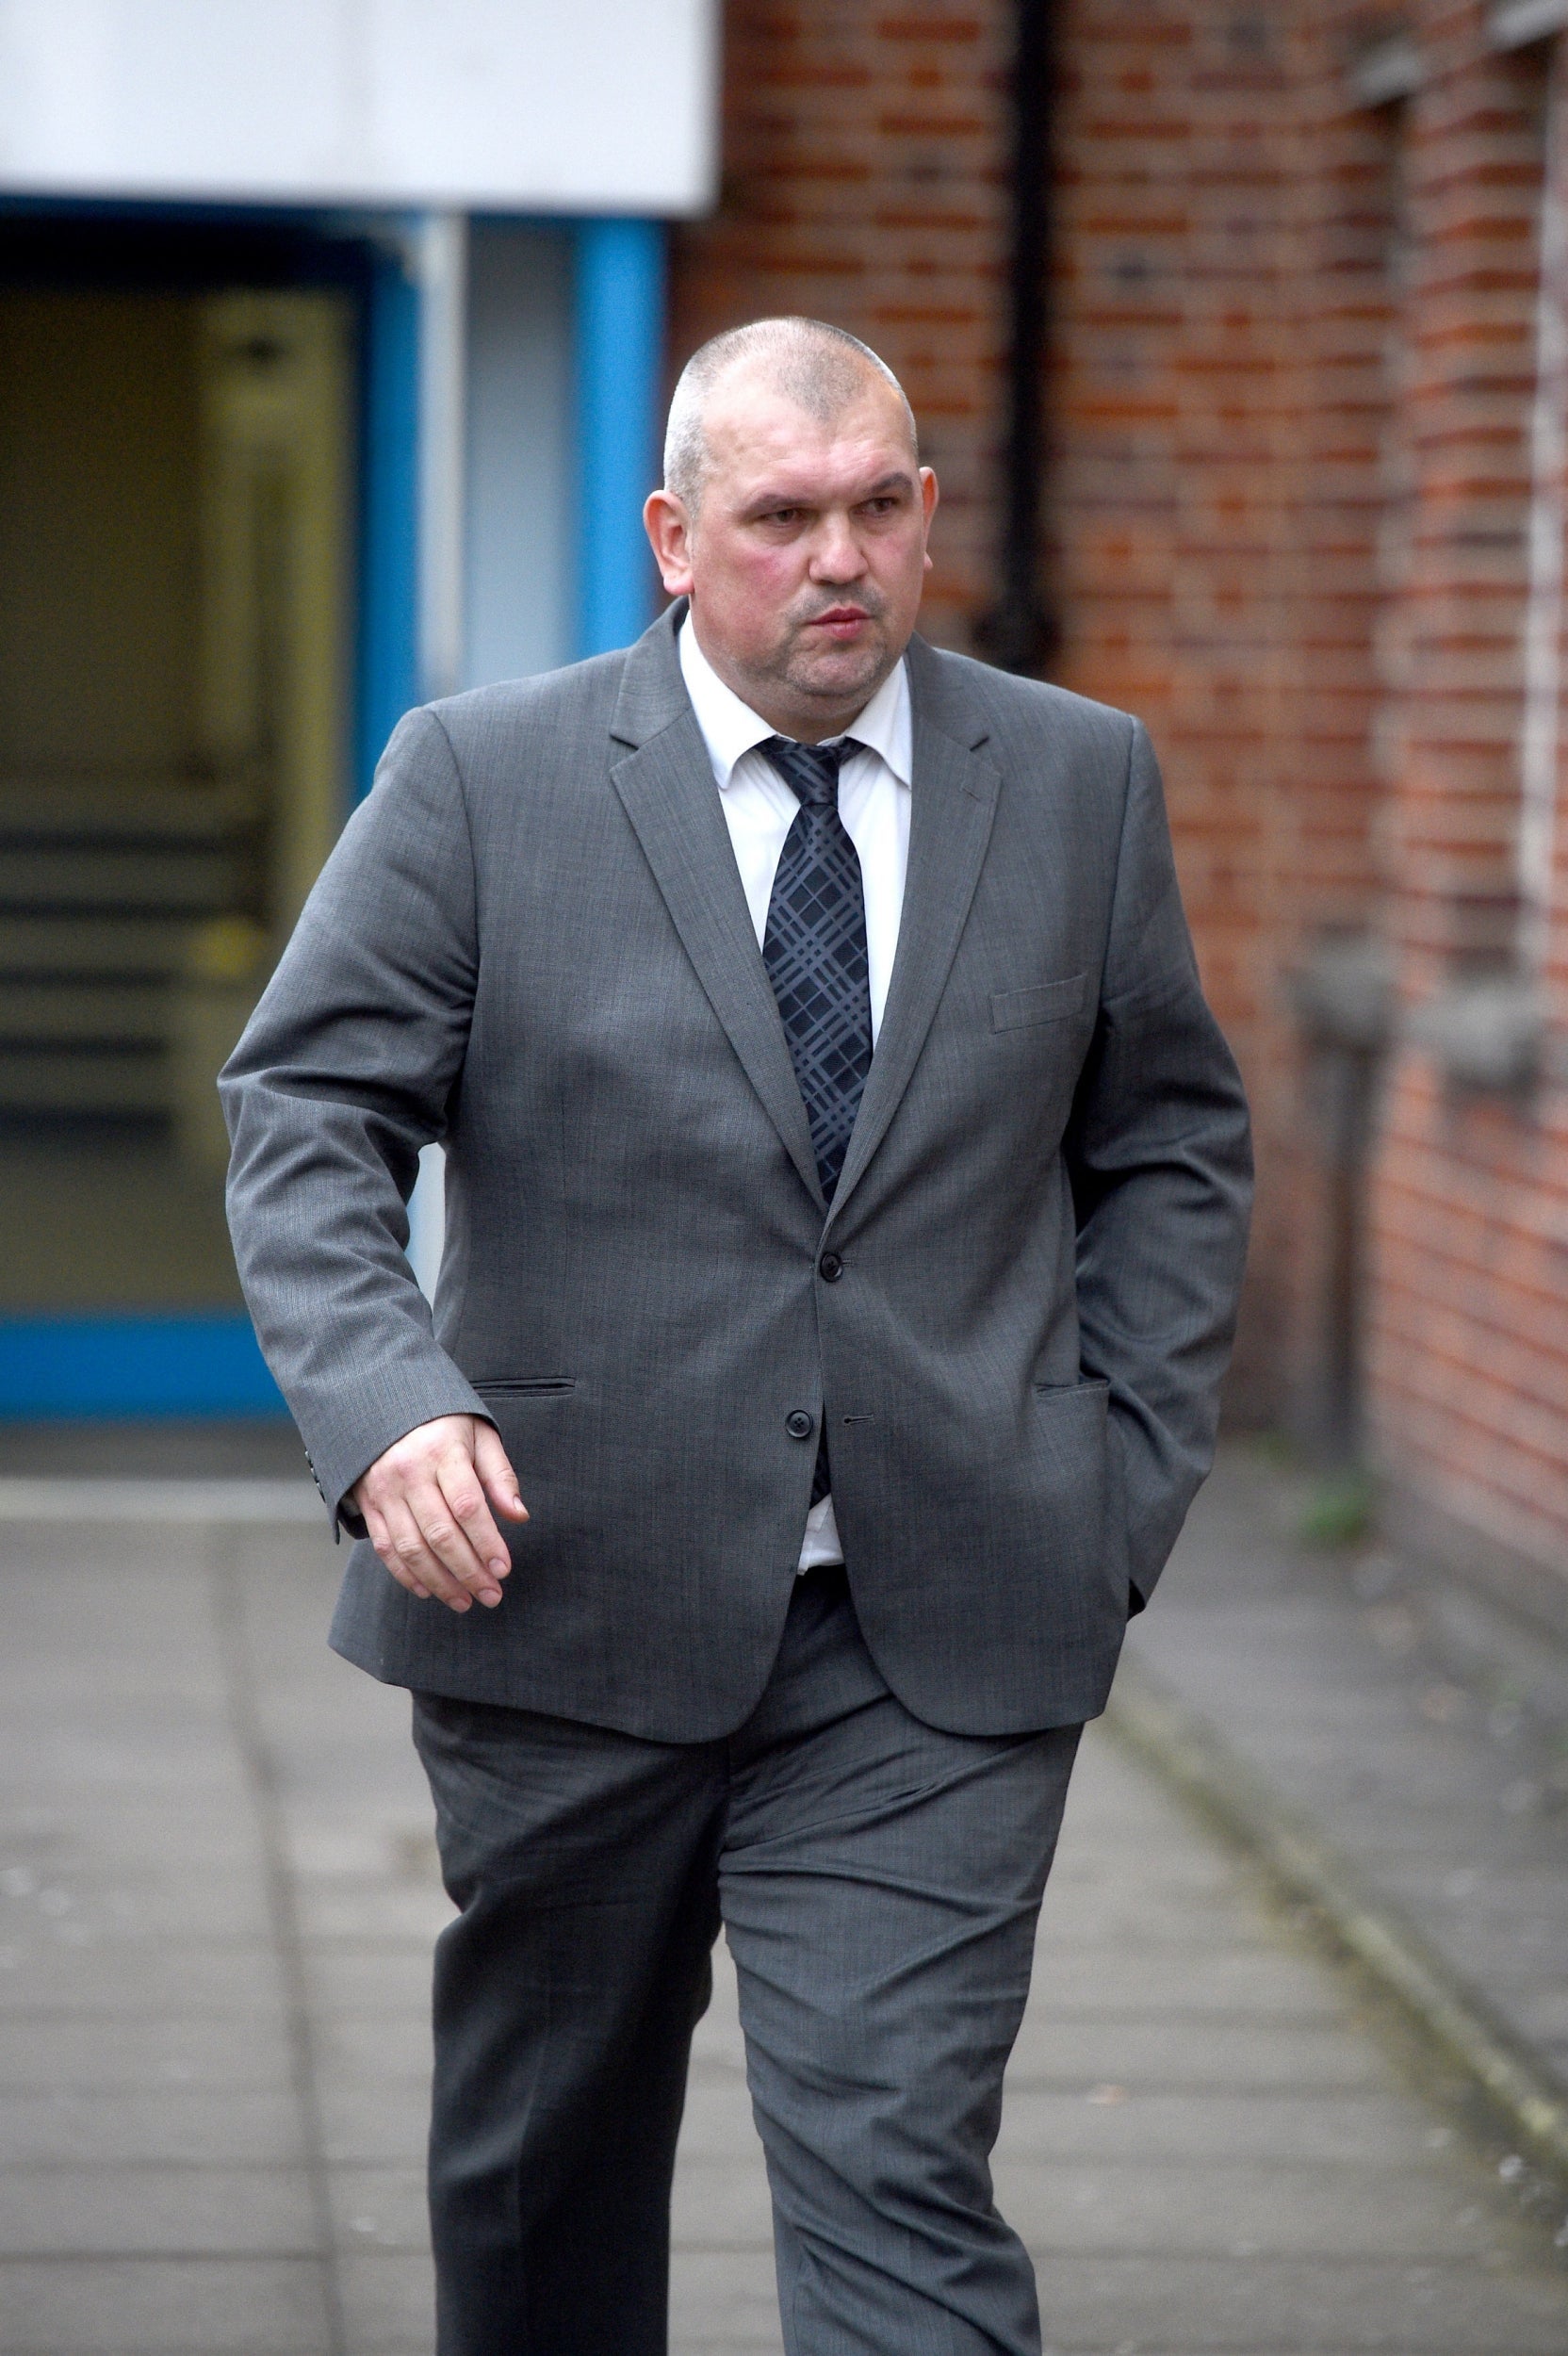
(1021, 633)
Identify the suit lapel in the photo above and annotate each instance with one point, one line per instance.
(666, 783)
(666, 788)
(953, 803)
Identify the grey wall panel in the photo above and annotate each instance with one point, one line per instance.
(521, 575)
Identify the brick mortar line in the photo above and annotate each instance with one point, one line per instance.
(1188, 1752)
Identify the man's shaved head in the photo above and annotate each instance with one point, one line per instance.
(794, 516)
(823, 369)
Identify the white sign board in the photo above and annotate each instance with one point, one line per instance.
(506, 105)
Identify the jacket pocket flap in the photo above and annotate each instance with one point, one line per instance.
(524, 1385)
(1047, 1003)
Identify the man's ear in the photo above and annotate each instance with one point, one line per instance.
(928, 498)
(669, 529)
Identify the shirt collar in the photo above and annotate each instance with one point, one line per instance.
(730, 728)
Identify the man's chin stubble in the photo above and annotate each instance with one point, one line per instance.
(805, 675)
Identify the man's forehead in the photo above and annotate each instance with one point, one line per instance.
(760, 434)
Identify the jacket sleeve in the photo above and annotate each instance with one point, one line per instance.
(343, 1073)
(1160, 1159)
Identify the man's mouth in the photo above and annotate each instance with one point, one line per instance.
(840, 621)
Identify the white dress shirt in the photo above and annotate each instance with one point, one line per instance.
(760, 810)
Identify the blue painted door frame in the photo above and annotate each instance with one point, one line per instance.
(100, 1366)
(388, 569)
(620, 366)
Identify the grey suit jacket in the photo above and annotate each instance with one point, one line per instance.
(533, 943)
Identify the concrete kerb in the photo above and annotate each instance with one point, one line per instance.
(1191, 1756)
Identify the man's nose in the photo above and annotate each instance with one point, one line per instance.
(838, 554)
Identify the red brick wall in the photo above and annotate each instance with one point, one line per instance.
(1470, 1338)
(1289, 399)
(1219, 409)
(863, 163)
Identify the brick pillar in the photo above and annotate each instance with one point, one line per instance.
(864, 161)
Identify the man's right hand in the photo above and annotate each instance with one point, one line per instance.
(427, 1507)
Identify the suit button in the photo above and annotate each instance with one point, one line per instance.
(798, 1424)
(830, 1268)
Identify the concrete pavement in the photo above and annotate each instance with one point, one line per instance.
(1405, 1729)
(217, 1899)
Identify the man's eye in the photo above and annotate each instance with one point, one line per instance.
(883, 505)
(782, 515)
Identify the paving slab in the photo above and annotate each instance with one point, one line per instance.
(139, 2210)
(150, 2054)
(355, 2048)
(1418, 1726)
(1232, 2209)
(380, 2207)
(387, 2302)
(45, 1971)
(359, 1977)
(360, 2125)
(1242, 2056)
(60, 2128)
(176, 2306)
(1279, 2304)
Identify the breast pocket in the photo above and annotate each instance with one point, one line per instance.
(1048, 1002)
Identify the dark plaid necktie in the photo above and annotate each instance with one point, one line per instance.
(814, 949)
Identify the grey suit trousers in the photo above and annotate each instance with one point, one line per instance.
(878, 1882)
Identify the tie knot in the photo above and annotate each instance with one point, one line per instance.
(810, 770)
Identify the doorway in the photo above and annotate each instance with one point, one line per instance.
(175, 515)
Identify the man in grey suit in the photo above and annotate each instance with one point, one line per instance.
(846, 1191)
